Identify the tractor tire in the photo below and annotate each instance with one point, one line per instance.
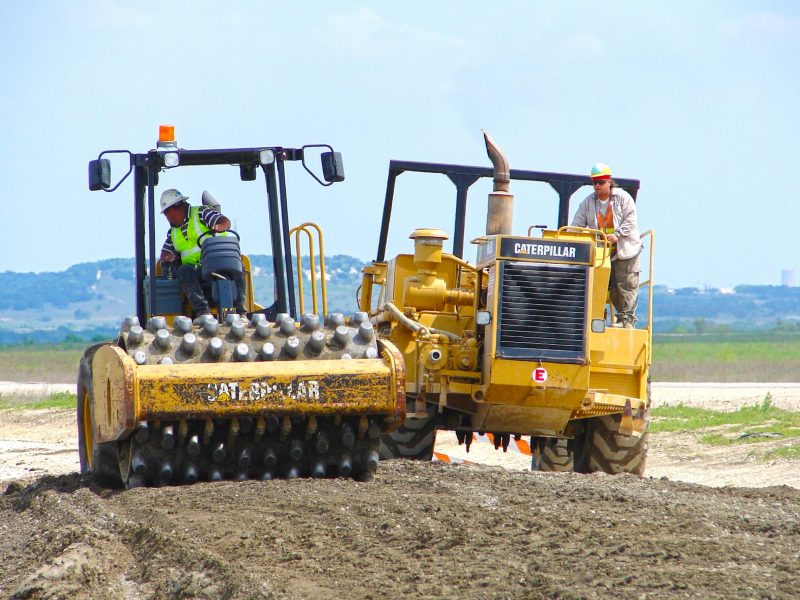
(101, 461)
(601, 449)
(606, 451)
(556, 457)
(414, 440)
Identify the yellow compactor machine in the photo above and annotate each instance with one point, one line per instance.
(278, 393)
(522, 342)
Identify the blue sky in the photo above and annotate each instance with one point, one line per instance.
(699, 100)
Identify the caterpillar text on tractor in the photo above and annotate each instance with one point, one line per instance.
(518, 344)
(172, 400)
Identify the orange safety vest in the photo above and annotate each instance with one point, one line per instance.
(606, 224)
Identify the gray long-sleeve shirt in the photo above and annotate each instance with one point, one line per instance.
(626, 227)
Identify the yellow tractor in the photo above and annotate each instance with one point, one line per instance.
(280, 393)
(520, 343)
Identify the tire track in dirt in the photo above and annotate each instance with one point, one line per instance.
(131, 553)
(423, 529)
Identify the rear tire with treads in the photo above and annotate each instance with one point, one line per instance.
(556, 457)
(606, 451)
(601, 449)
(414, 440)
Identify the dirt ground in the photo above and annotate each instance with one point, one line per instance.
(488, 529)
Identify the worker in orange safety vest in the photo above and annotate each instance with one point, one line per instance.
(613, 211)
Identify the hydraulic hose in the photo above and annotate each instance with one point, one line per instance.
(389, 312)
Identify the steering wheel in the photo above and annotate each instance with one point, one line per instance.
(213, 233)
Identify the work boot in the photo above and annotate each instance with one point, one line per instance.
(199, 309)
(627, 320)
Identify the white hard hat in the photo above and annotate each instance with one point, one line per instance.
(171, 197)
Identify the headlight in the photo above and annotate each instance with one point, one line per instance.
(598, 325)
(483, 317)
(267, 157)
(171, 159)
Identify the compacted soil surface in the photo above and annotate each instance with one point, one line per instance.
(700, 524)
(424, 530)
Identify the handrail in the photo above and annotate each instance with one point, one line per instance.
(532, 227)
(649, 282)
(296, 232)
(597, 232)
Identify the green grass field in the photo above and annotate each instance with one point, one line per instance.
(57, 363)
(748, 425)
(757, 357)
(61, 400)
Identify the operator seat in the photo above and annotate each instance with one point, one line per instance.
(220, 266)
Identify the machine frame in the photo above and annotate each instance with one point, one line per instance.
(463, 176)
(146, 167)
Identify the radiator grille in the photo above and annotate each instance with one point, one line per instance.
(542, 311)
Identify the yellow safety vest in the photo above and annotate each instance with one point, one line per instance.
(187, 246)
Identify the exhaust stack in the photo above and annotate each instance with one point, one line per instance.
(501, 203)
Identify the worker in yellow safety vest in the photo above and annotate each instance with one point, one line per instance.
(187, 224)
(613, 211)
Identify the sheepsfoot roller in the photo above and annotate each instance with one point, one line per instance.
(184, 402)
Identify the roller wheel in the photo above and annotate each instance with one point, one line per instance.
(99, 460)
(414, 440)
(255, 446)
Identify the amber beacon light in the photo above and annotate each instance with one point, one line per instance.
(166, 136)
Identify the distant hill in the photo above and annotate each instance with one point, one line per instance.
(88, 301)
(745, 307)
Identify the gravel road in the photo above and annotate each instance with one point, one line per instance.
(726, 396)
